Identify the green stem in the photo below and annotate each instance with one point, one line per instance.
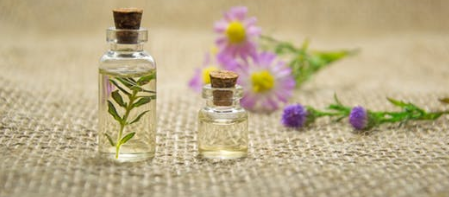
(123, 123)
(405, 116)
(117, 145)
(269, 38)
(321, 113)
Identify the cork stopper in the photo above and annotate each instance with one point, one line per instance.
(127, 19)
(223, 79)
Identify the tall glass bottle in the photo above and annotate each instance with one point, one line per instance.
(222, 122)
(127, 95)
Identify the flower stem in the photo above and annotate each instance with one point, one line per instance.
(322, 113)
(269, 38)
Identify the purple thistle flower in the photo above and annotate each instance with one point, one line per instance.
(294, 116)
(358, 118)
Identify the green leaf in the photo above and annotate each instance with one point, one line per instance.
(284, 47)
(299, 66)
(131, 80)
(139, 116)
(152, 97)
(305, 44)
(336, 99)
(413, 111)
(118, 98)
(109, 139)
(339, 108)
(149, 91)
(394, 116)
(126, 138)
(397, 102)
(316, 62)
(142, 101)
(445, 100)
(120, 88)
(136, 88)
(432, 116)
(113, 111)
(140, 89)
(146, 79)
(331, 56)
(128, 82)
(339, 119)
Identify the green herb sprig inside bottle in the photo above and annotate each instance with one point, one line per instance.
(127, 92)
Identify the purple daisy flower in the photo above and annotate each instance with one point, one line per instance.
(294, 116)
(238, 33)
(358, 118)
(266, 82)
(201, 75)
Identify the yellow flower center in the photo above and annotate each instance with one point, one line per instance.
(262, 81)
(236, 32)
(205, 74)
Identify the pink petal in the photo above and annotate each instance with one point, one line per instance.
(220, 26)
(282, 97)
(248, 101)
(221, 41)
(253, 31)
(247, 49)
(227, 16)
(227, 61)
(270, 104)
(250, 22)
(266, 58)
(229, 50)
(289, 83)
(196, 82)
(238, 12)
(284, 72)
(283, 94)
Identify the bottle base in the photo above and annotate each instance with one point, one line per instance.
(222, 154)
(127, 157)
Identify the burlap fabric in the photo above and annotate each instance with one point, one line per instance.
(48, 102)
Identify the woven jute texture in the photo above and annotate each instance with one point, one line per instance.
(48, 104)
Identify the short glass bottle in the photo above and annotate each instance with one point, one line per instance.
(127, 97)
(222, 128)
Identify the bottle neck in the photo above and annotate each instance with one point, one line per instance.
(126, 40)
(222, 98)
(223, 104)
(126, 47)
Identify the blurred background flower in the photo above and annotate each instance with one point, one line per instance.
(237, 33)
(201, 75)
(267, 82)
